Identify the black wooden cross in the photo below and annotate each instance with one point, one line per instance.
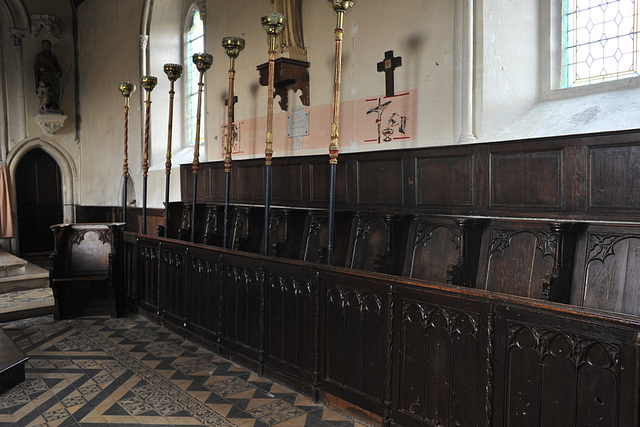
(226, 100)
(388, 65)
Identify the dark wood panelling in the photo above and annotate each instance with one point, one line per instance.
(576, 176)
(527, 179)
(380, 181)
(172, 301)
(444, 390)
(455, 170)
(559, 372)
(356, 322)
(243, 317)
(248, 182)
(614, 177)
(205, 295)
(319, 182)
(288, 184)
(293, 316)
(216, 182)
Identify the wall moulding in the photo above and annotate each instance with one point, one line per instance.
(50, 24)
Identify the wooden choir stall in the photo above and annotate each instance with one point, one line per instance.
(491, 284)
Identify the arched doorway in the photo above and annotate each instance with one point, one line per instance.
(39, 201)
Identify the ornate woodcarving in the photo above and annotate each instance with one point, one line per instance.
(410, 352)
(556, 364)
(77, 235)
(601, 245)
(491, 319)
(501, 239)
(440, 391)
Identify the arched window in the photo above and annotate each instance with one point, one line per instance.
(194, 43)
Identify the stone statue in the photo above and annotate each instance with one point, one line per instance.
(291, 38)
(47, 74)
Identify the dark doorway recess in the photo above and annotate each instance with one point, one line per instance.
(39, 196)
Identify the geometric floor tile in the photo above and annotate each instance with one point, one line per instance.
(96, 371)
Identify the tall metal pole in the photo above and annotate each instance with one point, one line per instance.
(148, 83)
(340, 7)
(126, 89)
(203, 63)
(232, 47)
(273, 23)
(173, 72)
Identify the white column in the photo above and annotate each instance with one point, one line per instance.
(466, 84)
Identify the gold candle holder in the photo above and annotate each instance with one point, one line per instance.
(202, 62)
(273, 23)
(173, 72)
(148, 83)
(126, 89)
(232, 47)
(340, 7)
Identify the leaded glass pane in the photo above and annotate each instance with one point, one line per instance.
(195, 44)
(601, 42)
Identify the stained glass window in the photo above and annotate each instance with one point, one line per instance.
(601, 41)
(194, 44)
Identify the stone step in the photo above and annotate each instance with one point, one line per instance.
(24, 304)
(11, 265)
(34, 277)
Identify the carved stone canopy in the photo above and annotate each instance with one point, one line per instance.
(50, 24)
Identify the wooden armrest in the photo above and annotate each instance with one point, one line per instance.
(87, 278)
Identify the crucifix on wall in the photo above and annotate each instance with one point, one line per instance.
(388, 65)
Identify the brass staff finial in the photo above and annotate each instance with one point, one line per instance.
(148, 83)
(173, 71)
(273, 23)
(232, 47)
(203, 61)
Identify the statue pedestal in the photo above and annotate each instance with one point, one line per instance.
(50, 123)
(288, 73)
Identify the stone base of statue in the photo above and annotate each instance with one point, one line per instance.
(50, 121)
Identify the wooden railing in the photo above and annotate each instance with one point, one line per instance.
(412, 352)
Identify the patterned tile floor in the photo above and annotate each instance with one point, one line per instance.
(130, 371)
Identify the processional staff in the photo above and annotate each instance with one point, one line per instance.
(203, 62)
(173, 72)
(148, 83)
(232, 47)
(340, 7)
(273, 23)
(126, 89)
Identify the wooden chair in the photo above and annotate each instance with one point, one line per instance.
(85, 271)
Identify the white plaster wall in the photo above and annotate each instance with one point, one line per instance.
(510, 90)
(109, 50)
(510, 69)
